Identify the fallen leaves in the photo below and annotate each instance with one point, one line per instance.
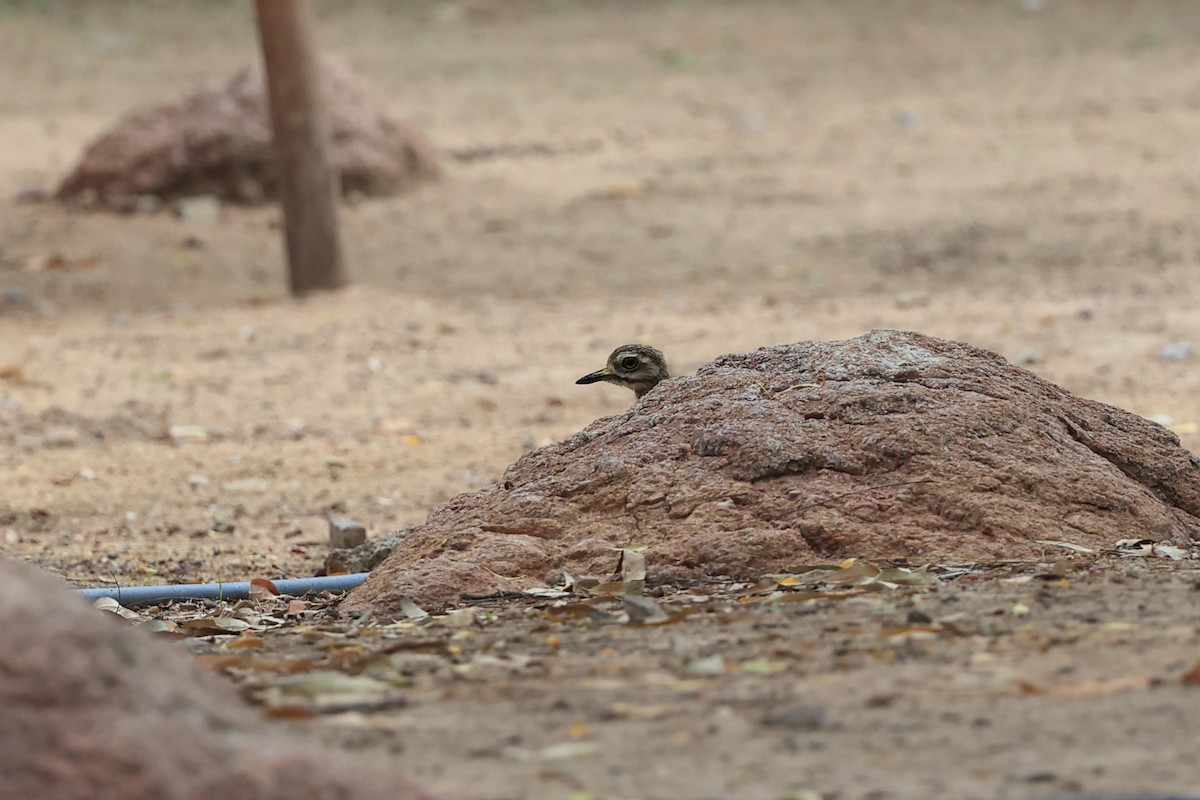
(1192, 676)
(859, 575)
(1150, 547)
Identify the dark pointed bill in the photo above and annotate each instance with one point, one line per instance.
(594, 377)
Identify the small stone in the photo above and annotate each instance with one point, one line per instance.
(459, 618)
(247, 486)
(146, 204)
(345, 533)
(223, 526)
(32, 196)
(87, 474)
(1038, 776)
(906, 119)
(800, 718)
(386, 426)
(187, 434)
(1176, 351)
(919, 617)
(366, 556)
(1029, 356)
(912, 299)
(202, 209)
(750, 122)
(294, 428)
(61, 437)
(196, 480)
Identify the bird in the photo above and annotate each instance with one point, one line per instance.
(634, 366)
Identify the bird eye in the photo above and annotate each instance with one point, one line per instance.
(629, 363)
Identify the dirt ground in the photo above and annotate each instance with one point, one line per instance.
(708, 177)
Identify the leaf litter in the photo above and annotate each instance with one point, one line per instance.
(296, 659)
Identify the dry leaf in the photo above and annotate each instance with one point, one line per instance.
(261, 588)
(1087, 688)
(642, 609)
(1078, 548)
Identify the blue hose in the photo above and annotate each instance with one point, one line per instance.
(148, 595)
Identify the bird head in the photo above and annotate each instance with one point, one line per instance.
(634, 366)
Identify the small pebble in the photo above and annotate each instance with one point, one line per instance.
(203, 209)
(906, 119)
(800, 718)
(1029, 356)
(187, 434)
(345, 533)
(912, 299)
(146, 204)
(196, 480)
(1175, 351)
(61, 437)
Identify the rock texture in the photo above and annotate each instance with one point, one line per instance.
(96, 710)
(890, 444)
(219, 143)
(367, 556)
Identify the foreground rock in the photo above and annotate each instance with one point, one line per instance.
(218, 143)
(891, 444)
(96, 710)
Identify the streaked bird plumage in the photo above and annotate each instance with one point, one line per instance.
(634, 366)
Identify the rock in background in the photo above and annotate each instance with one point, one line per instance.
(218, 143)
(893, 444)
(96, 710)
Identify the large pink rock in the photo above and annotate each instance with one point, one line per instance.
(96, 710)
(890, 444)
(219, 143)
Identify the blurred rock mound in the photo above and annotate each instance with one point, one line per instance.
(892, 444)
(97, 710)
(218, 143)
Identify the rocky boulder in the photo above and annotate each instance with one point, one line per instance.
(218, 142)
(96, 710)
(892, 444)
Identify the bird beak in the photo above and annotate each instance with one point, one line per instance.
(598, 375)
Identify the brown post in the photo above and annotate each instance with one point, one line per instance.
(307, 185)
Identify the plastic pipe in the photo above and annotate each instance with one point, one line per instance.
(148, 595)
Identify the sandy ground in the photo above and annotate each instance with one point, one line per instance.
(705, 177)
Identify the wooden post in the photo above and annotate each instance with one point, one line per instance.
(307, 184)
